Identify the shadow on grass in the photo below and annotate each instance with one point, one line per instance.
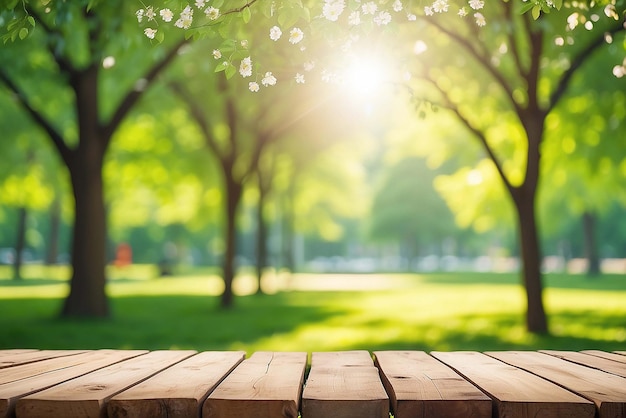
(312, 321)
(156, 322)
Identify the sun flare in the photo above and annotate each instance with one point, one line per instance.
(366, 75)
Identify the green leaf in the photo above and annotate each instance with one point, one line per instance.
(246, 14)
(23, 33)
(160, 36)
(221, 66)
(536, 12)
(230, 71)
(31, 20)
(526, 8)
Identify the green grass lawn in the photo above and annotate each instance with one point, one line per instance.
(421, 312)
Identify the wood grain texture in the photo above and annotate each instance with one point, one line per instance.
(178, 391)
(606, 355)
(20, 357)
(268, 385)
(517, 393)
(589, 360)
(86, 396)
(606, 390)
(32, 377)
(344, 385)
(420, 386)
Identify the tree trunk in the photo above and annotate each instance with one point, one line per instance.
(261, 243)
(288, 233)
(536, 321)
(52, 250)
(233, 197)
(20, 243)
(87, 296)
(591, 248)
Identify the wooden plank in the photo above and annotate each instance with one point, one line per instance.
(86, 396)
(420, 386)
(604, 354)
(344, 385)
(33, 377)
(606, 390)
(589, 360)
(15, 359)
(515, 392)
(178, 391)
(268, 385)
(10, 351)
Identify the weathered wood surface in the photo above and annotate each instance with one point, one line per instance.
(517, 393)
(19, 381)
(419, 386)
(178, 391)
(268, 385)
(344, 385)
(136, 383)
(86, 396)
(606, 390)
(23, 357)
(589, 360)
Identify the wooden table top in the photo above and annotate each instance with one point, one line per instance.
(346, 384)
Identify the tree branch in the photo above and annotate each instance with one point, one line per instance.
(65, 65)
(483, 60)
(578, 61)
(451, 106)
(198, 115)
(57, 139)
(134, 94)
(240, 9)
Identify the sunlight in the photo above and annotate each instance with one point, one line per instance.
(366, 75)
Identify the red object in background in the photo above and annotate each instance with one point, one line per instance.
(124, 255)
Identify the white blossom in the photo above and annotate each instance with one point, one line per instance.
(212, 13)
(253, 86)
(245, 67)
(200, 3)
(355, 18)
(462, 12)
(166, 15)
(299, 78)
(397, 6)
(149, 13)
(476, 4)
(383, 18)
(186, 18)
(333, 9)
(369, 8)
(295, 35)
(480, 19)
(275, 33)
(440, 6)
(149, 32)
(268, 79)
(139, 13)
(217, 54)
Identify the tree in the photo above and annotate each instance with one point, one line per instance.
(509, 60)
(408, 210)
(70, 43)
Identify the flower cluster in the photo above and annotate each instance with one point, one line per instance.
(355, 14)
(185, 18)
(379, 15)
